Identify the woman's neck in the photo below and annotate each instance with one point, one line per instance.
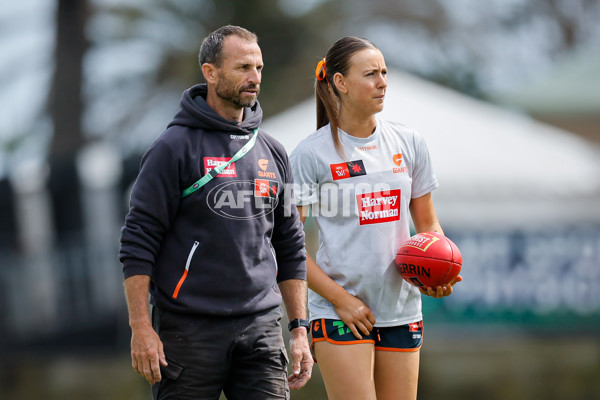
(357, 126)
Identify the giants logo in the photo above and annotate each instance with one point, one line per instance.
(211, 162)
(347, 169)
(378, 207)
(397, 159)
(263, 164)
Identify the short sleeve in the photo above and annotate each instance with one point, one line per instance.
(305, 175)
(423, 177)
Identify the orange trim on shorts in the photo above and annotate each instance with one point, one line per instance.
(328, 339)
(378, 348)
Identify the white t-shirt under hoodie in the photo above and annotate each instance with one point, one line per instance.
(360, 205)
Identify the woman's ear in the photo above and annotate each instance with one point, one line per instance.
(340, 82)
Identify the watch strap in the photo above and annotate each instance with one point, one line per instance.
(295, 323)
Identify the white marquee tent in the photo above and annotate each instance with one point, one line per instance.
(497, 169)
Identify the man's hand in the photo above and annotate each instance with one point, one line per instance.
(293, 292)
(147, 353)
(302, 361)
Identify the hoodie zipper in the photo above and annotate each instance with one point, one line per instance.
(187, 268)
(274, 256)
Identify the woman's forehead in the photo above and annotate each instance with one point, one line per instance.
(367, 58)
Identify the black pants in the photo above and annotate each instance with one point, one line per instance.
(244, 357)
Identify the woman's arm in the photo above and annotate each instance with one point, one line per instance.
(423, 215)
(355, 314)
(426, 220)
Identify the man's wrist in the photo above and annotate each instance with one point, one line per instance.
(299, 323)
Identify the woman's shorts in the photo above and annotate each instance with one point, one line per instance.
(407, 337)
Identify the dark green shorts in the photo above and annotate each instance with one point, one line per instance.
(407, 337)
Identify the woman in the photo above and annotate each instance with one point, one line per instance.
(363, 178)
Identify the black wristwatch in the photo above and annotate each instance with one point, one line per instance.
(295, 323)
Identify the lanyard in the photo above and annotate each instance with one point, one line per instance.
(219, 168)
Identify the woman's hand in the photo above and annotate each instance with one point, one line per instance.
(441, 291)
(355, 314)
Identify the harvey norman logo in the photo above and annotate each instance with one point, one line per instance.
(378, 207)
(212, 162)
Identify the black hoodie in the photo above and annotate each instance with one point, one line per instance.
(222, 249)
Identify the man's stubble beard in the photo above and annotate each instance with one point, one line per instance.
(228, 92)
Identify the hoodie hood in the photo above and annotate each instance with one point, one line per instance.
(195, 113)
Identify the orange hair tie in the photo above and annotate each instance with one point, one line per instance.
(320, 72)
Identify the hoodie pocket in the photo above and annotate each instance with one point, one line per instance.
(187, 269)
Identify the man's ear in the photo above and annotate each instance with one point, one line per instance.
(210, 72)
(339, 82)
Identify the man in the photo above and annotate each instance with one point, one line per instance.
(217, 255)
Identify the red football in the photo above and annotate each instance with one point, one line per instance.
(428, 259)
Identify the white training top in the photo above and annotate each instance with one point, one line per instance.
(360, 205)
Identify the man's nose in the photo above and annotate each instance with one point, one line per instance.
(255, 76)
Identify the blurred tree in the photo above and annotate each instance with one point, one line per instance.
(65, 102)
(66, 109)
(291, 47)
(156, 47)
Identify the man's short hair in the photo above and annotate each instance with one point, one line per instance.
(212, 46)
